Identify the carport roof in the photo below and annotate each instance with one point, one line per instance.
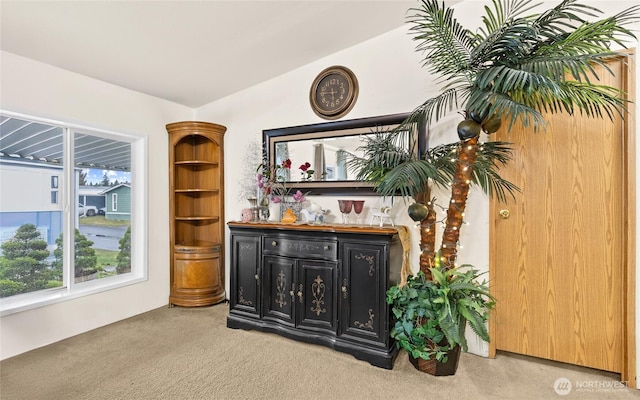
(35, 141)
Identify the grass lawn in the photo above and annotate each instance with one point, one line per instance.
(100, 220)
(107, 258)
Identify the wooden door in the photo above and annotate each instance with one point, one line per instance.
(559, 257)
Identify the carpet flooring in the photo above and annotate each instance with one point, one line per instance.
(189, 353)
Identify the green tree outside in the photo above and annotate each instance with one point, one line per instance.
(124, 257)
(105, 180)
(22, 266)
(85, 259)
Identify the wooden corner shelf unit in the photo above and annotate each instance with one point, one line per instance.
(196, 200)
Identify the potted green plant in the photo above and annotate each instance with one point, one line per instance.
(431, 315)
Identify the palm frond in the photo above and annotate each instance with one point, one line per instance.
(409, 178)
(502, 12)
(555, 67)
(589, 39)
(566, 17)
(491, 156)
(380, 154)
(502, 104)
(433, 109)
(570, 97)
(446, 43)
(563, 17)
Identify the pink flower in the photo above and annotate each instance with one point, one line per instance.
(276, 199)
(259, 180)
(299, 197)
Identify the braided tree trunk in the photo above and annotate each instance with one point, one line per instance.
(427, 233)
(459, 192)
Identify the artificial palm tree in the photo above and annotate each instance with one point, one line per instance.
(517, 66)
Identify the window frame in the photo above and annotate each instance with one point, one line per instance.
(139, 219)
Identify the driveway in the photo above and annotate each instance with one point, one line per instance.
(104, 237)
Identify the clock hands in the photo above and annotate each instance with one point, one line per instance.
(332, 93)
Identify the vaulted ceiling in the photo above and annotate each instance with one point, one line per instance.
(191, 52)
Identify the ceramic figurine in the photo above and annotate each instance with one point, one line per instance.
(289, 217)
(246, 215)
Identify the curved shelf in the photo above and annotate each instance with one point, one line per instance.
(196, 246)
(196, 162)
(196, 190)
(210, 218)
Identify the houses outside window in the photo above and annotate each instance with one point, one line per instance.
(52, 250)
(54, 189)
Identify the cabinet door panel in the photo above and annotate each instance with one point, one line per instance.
(278, 286)
(364, 316)
(317, 308)
(245, 274)
(200, 273)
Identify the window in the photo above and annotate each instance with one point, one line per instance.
(65, 255)
(114, 202)
(54, 193)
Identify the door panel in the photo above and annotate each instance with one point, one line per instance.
(245, 276)
(317, 308)
(279, 286)
(363, 314)
(558, 260)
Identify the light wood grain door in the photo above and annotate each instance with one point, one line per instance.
(558, 254)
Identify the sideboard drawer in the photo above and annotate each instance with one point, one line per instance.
(293, 247)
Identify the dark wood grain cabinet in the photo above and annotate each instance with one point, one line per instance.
(322, 284)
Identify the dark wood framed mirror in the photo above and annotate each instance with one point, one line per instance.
(326, 147)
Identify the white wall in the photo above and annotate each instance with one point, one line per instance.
(37, 89)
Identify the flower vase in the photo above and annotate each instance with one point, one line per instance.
(263, 209)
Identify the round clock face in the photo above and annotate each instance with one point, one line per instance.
(334, 92)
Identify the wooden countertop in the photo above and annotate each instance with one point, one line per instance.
(305, 226)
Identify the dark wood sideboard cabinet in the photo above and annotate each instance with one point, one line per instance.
(323, 284)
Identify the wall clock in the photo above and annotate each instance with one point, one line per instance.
(334, 92)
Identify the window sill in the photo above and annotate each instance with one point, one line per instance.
(48, 297)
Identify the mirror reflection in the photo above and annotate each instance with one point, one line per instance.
(326, 157)
(320, 153)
